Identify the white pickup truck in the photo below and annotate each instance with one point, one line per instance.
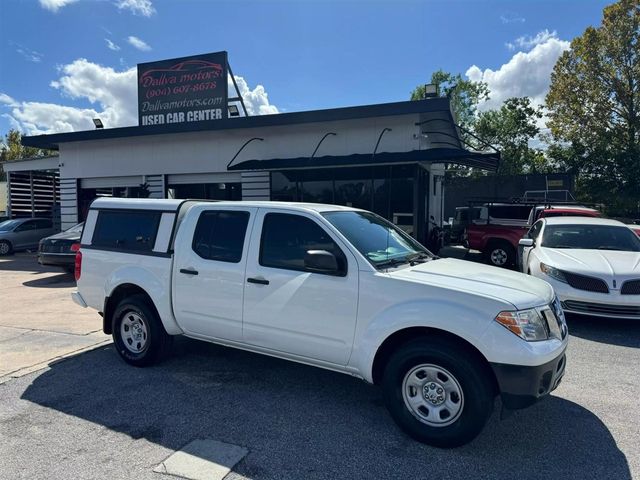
(328, 286)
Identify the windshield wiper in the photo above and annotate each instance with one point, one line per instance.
(392, 262)
(418, 257)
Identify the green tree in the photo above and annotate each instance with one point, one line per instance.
(465, 95)
(511, 128)
(11, 148)
(594, 107)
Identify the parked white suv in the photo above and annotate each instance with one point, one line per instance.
(329, 286)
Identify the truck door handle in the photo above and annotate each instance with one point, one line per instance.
(188, 271)
(260, 281)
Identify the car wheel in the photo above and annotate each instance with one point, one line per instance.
(5, 247)
(501, 254)
(138, 333)
(437, 393)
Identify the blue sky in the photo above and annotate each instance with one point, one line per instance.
(57, 70)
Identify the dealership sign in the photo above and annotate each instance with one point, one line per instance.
(181, 90)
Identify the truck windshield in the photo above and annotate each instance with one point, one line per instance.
(380, 241)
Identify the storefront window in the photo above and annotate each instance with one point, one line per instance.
(385, 190)
(283, 189)
(207, 191)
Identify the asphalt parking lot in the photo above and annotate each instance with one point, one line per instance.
(82, 413)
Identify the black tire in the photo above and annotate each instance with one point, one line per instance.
(157, 341)
(5, 248)
(501, 254)
(476, 385)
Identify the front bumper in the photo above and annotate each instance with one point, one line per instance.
(522, 386)
(608, 305)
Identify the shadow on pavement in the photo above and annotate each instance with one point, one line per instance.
(625, 333)
(304, 422)
(63, 280)
(24, 262)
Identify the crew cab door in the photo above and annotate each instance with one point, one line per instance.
(208, 274)
(289, 308)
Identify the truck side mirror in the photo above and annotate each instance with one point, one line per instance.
(321, 261)
(526, 242)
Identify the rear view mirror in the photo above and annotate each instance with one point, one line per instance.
(526, 242)
(321, 261)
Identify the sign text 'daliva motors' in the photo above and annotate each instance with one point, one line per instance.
(188, 89)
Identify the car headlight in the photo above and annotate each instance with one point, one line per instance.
(527, 324)
(552, 272)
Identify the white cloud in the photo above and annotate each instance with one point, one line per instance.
(525, 74)
(528, 42)
(111, 45)
(55, 5)
(27, 53)
(138, 43)
(256, 100)
(511, 17)
(137, 7)
(112, 95)
(7, 100)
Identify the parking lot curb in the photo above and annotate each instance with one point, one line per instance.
(42, 365)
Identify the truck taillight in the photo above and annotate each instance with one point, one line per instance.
(78, 269)
(75, 247)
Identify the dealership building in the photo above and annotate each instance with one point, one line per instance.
(388, 158)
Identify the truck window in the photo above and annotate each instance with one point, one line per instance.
(220, 235)
(286, 239)
(126, 230)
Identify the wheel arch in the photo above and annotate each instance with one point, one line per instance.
(118, 294)
(394, 341)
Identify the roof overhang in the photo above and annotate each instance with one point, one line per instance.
(31, 164)
(457, 156)
(428, 106)
(422, 131)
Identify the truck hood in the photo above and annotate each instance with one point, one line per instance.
(521, 291)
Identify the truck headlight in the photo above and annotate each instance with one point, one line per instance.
(552, 272)
(527, 324)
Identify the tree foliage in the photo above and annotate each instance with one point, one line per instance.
(594, 106)
(465, 95)
(511, 128)
(11, 149)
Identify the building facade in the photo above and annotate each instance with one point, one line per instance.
(388, 158)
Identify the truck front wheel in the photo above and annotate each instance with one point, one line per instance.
(437, 393)
(138, 333)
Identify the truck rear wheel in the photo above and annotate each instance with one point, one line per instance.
(138, 333)
(501, 254)
(437, 393)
